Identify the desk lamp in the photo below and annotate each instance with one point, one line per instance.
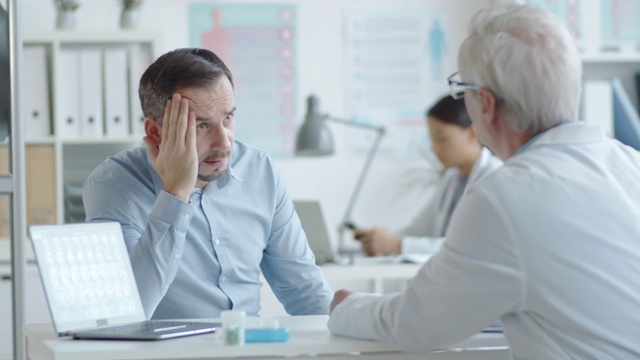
(314, 139)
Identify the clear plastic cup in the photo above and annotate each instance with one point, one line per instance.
(233, 326)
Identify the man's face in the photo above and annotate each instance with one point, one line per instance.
(215, 127)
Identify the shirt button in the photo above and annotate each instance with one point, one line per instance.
(223, 279)
(186, 216)
(217, 242)
(177, 256)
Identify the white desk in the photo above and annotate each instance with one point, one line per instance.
(309, 336)
(377, 277)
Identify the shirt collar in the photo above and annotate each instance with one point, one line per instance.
(573, 132)
(526, 145)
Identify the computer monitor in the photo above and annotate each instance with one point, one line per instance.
(626, 122)
(5, 84)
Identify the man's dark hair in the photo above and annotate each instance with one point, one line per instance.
(178, 69)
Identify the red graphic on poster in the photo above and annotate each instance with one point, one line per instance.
(220, 41)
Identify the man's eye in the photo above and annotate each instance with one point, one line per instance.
(201, 126)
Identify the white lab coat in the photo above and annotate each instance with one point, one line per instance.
(549, 243)
(425, 233)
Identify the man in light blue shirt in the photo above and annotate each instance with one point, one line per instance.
(203, 214)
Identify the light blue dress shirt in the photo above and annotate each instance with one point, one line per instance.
(193, 260)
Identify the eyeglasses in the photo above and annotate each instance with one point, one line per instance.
(457, 87)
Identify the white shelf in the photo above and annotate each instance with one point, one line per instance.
(94, 38)
(71, 157)
(40, 141)
(126, 140)
(611, 57)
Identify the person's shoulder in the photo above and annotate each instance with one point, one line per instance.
(244, 153)
(128, 161)
(498, 177)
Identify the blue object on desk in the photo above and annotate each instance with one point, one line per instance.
(266, 335)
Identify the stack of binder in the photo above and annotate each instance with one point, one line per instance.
(96, 92)
(73, 206)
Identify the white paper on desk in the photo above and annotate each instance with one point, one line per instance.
(393, 259)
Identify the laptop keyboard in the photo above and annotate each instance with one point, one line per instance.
(146, 327)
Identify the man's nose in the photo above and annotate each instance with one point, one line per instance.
(219, 138)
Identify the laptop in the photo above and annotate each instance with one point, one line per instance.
(90, 288)
(315, 227)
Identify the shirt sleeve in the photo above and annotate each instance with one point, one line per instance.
(412, 245)
(155, 240)
(289, 265)
(473, 280)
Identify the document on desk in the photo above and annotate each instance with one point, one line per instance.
(393, 259)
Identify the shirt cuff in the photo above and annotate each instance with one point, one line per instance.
(172, 210)
(352, 317)
(413, 245)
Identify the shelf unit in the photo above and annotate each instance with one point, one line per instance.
(96, 82)
(51, 160)
(606, 65)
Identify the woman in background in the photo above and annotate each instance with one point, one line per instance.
(455, 143)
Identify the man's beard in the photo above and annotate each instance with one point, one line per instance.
(210, 178)
(218, 172)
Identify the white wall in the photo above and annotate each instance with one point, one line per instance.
(394, 189)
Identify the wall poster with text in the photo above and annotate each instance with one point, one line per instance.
(399, 57)
(258, 42)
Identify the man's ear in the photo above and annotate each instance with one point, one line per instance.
(489, 105)
(153, 129)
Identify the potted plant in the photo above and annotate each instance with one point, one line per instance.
(130, 13)
(66, 16)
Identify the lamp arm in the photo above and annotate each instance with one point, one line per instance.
(380, 129)
(365, 169)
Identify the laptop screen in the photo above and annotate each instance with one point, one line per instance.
(315, 227)
(86, 274)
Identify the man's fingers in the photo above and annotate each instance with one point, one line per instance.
(172, 134)
(182, 121)
(165, 120)
(190, 138)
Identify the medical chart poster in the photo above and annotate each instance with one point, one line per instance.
(258, 42)
(570, 13)
(398, 60)
(620, 23)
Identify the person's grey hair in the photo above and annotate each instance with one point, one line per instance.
(175, 70)
(528, 59)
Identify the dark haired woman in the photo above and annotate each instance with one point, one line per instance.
(454, 141)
